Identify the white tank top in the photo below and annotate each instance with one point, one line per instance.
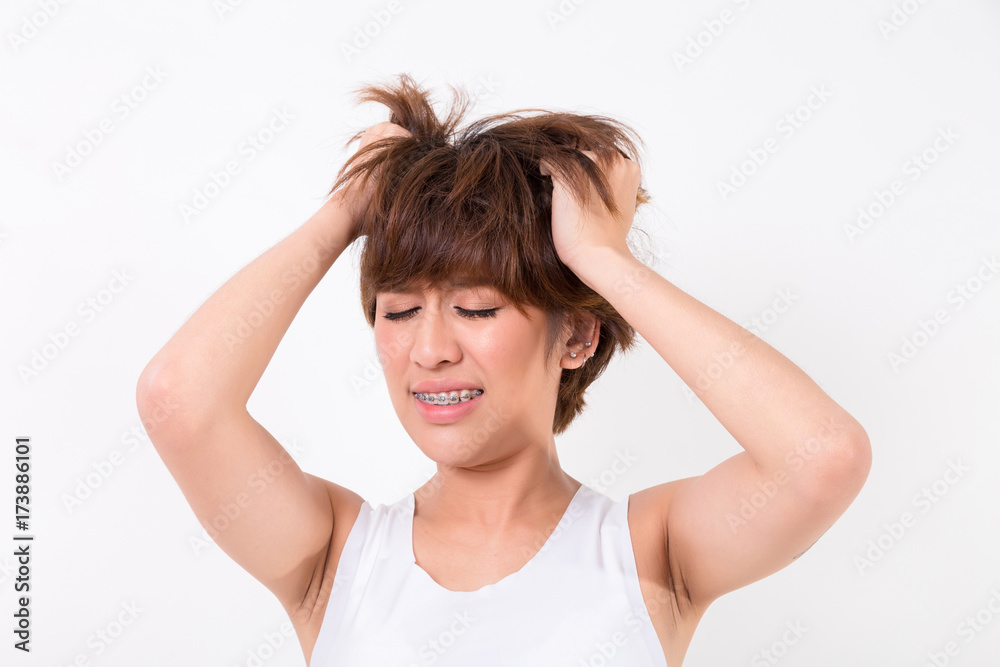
(576, 603)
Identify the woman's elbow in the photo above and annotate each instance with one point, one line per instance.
(159, 400)
(846, 465)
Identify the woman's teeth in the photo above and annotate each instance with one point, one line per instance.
(449, 397)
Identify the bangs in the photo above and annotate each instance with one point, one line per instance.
(466, 215)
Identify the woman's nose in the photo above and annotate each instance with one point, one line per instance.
(433, 340)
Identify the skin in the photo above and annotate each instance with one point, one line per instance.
(490, 500)
(498, 470)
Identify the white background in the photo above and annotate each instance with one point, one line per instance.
(222, 74)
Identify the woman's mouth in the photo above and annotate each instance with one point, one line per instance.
(448, 397)
(447, 407)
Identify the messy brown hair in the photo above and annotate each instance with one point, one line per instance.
(472, 203)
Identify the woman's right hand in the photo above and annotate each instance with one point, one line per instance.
(353, 197)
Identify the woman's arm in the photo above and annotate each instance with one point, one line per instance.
(806, 458)
(269, 516)
(273, 519)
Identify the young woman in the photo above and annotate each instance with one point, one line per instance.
(499, 284)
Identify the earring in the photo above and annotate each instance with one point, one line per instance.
(587, 344)
(572, 355)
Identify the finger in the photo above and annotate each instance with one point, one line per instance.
(397, 131)
(596, 160)
(383, 130)
(615, 159)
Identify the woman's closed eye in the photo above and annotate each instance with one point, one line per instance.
(469, 314)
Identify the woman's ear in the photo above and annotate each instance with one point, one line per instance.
(582, 333)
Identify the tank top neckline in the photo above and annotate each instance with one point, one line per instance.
(411, 505)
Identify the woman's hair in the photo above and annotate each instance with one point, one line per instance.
(472, 203)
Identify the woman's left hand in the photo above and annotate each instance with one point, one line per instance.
(576, 230)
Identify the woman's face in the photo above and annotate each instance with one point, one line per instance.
(469, 338)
